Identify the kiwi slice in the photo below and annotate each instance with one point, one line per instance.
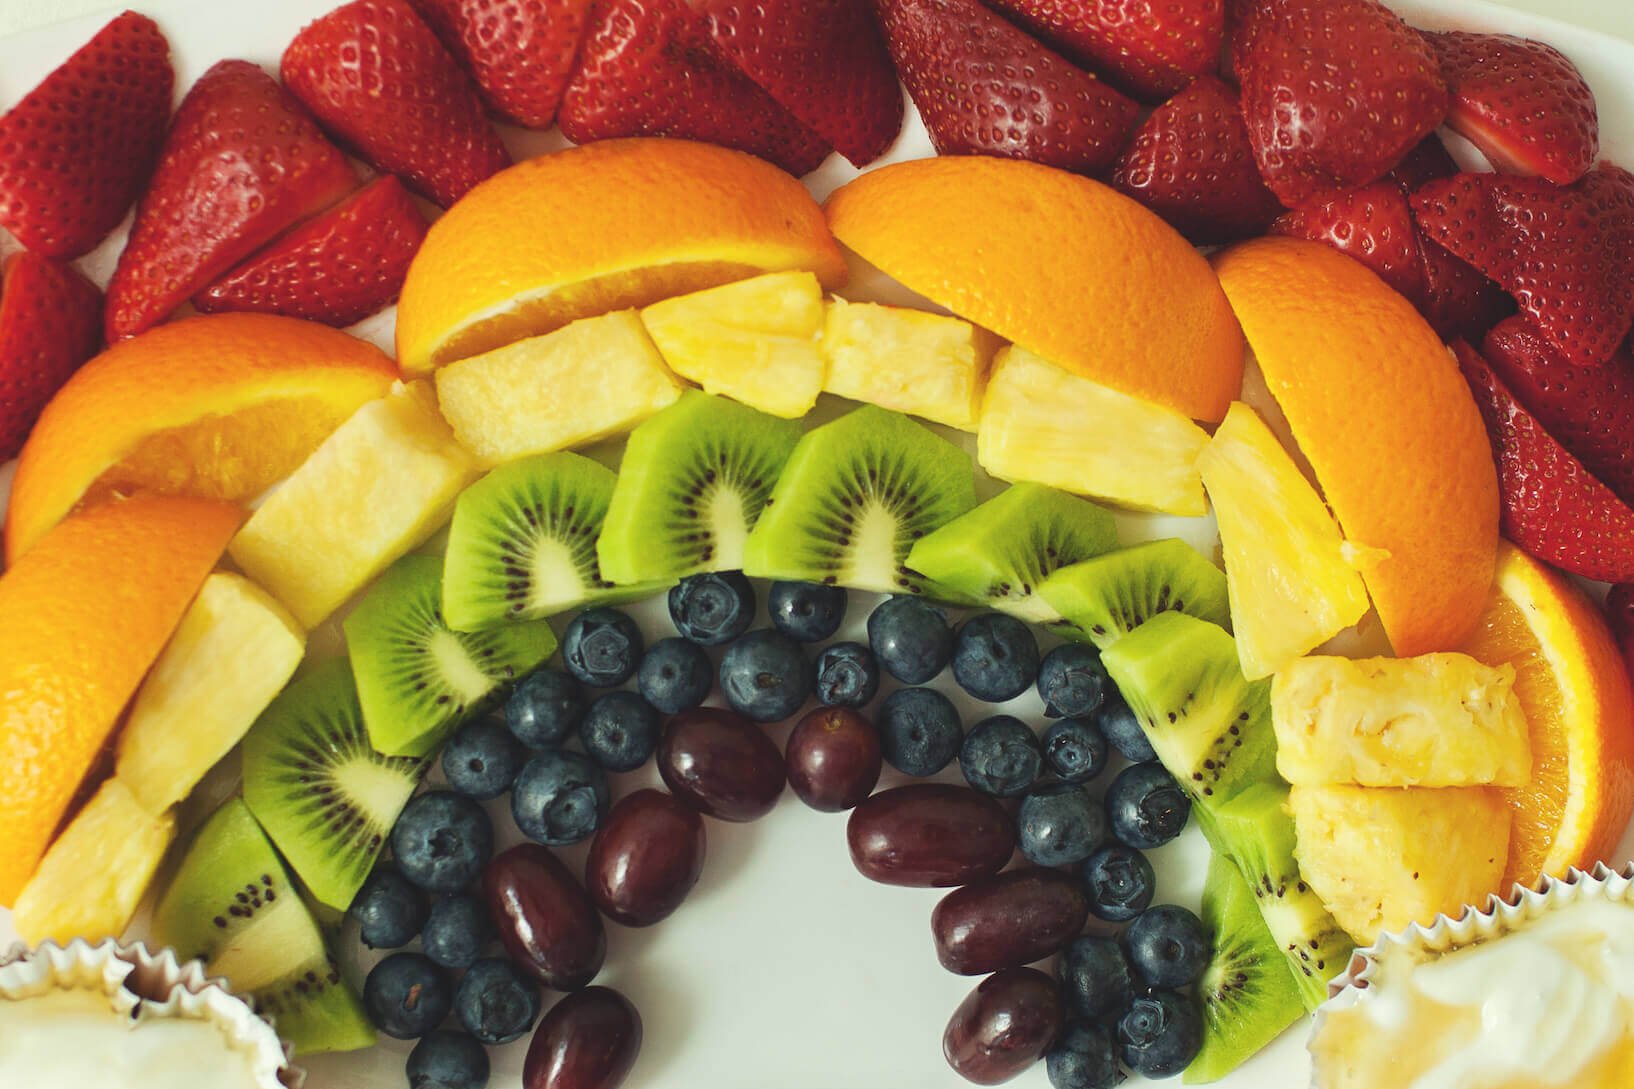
(324, 795)
(1248, 991)
(523, 544)
(998, 553)
(690, 487)
(855, 497)
(1255, 831)
(234, 905)
(417, 678)
(1109, 596)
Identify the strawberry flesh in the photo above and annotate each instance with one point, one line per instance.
(50, 323)
(1150, 49)
(1373, 224)
(521, 55)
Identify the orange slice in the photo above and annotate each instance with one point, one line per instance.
(1380, 411)
(220, 407)
(1575, 690)
(82, 617)
(1061, 265)
(616, 224)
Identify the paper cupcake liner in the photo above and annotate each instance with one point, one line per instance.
(148, 986)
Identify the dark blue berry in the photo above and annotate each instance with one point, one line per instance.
(847, 675)
(458, 930)
(1146, 806)
(407, 996)
(676, 675)
(560, 798)
(389, 909)
(482, 759)
(545, 709)
(448, 1060)
(1119, 881)
(919, 730)
(911, 639)
(712, 609)
(1075, 750)
(1060, 824)
(1167, 946)
(1083, 1057)
(620, 731)
(1000, 756)
(807, 612)
(1096, 980)
(1123, 730)
(1072, 681)
(995, 657)
(1160, 1034)
(497, 1002)
(602, 648)
(766, 676)
(442, 840)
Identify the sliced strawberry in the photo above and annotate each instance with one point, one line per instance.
(75, 151)
(1521, 102)
(650, 68)
(521, 55)
(376, 76)
(1373, 224)
(1458, 300)
(1553, 507)
(242, 164)
(1335, 93)
(50, 323)
(823, 60)
(337, 268)
(1428, 161)
(1146, 48)
(984, 87)
(1191, 164)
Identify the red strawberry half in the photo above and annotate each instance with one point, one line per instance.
(1147, 48)
(242, 164)
(521, 55)
(50, 323)
(75, 151)
(1521, 102)
(1373, 224)
(1191, 164)
(337, 268)
(984, 87)
(1553, 507)
(650, 68)
(377, 77)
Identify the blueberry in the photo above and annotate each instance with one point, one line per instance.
(1123, 730)
(1000, 756)
(1083, 1057)
(807, 612)
(1060, 824)
(442, 840)
(995, 657)
(458, 930)
(497, 1002)
(482, 759)
(602, 648)
(1075, 750)
(676, 675)
(1160, 1034)
(620, 731)
(911, 639)
(448, 1060)
(766, 676)
(1072, 682)
(389, 909)
(1119, 881)
(545, 709)
(919, 730)
(712, 609)
(407, 996)
(1167, 946)
(1096, 980)
(1146, 806)
(560, 798)
(847, 675)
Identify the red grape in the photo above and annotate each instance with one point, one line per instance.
(721, 764)
(645, 859)
(588, 1040)
(1012, 919)
(930, 835)
(544, 917)
(834, 759)
(1003, 1026)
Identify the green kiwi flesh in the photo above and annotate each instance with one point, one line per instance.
(523, 544)
(417, 678)
(1248, 991)
(233, 905)
(322, 792)
(1109, 596)
(856, 496)
(690, 488)
(999, 553)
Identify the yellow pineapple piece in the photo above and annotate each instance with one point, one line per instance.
(96, 873)
(912, 361)
(586, 381)
(1044, 424)
(1438, 720)
(1380, 858)
(1289, 573)
(378, 487)
(232, 653)
(754, 341)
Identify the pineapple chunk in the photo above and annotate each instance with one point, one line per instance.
(233, 651)
(1291, 584)
(1438, 720)
(96, 873)
(586, 381)
(378, 487)
(754, 341)
(1381, 858)
(913, 361)
(1043, 424)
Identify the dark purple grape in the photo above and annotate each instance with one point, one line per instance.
(721, 764)
(544, 917)
(1009, 920)
(930, 835)
(834, 759)
(588, 1040)
(1003, 1027)
(646, 858)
